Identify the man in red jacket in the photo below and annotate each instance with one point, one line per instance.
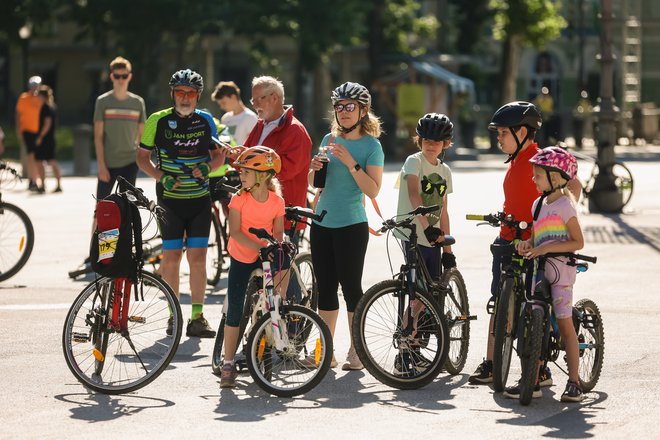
(278, 129)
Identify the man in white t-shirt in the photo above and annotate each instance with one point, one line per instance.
(238, 118)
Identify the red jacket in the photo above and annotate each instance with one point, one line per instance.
(292, 142)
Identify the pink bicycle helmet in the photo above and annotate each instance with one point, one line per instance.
(556, 159)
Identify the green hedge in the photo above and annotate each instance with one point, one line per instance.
(63, 143)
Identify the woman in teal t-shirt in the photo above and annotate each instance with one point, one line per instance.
(339, 242)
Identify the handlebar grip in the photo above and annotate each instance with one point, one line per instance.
(477, 217)
(321, 215)
(423, 210)
(587, 258)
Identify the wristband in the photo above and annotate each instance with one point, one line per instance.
(204, 168)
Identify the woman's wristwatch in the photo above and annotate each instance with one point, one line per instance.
(355, 168)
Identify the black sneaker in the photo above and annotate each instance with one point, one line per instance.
(514, 391)
(228, 376)
(170, 326)
(483, 374)
(545, 378)
(403, 366)
(573, 392)
(199, 327)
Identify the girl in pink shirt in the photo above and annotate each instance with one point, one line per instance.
(257, 205)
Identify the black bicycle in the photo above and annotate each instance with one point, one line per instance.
(121, 333)
(540, 340)
(511, 294)
(406, 329)
(16, 232)
(623, 180)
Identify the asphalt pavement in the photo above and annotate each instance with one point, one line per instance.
(40, 398)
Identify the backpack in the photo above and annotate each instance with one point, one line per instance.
(118, 229)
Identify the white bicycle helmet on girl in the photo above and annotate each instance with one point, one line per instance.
(353, 91)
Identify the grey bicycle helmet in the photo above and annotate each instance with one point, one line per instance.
(188, 78)
(514, 115)
(435, 126)
(353, 91)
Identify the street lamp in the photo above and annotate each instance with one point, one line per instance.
(605, 196)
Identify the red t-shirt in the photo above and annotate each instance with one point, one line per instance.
(519, 191)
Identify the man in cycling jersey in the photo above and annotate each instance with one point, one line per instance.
(180, 138)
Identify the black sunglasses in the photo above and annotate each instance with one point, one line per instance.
(120, 75)
(349, 107)
(428, 187)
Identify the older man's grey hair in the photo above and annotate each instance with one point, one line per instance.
(270, 85)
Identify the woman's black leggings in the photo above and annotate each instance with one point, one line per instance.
(338, 258)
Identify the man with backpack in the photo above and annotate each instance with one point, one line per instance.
(181, 138)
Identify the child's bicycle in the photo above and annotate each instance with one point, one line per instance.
(406, 329)
(302, 290)
(16, 232)
(511, 294)
(116, 338)
(289, 347)
(539, 333)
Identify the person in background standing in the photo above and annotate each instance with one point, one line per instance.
(45, 142)
(28, 107)
(240, 119)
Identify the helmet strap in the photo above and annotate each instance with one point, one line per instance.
(519, 144)
(354, 126)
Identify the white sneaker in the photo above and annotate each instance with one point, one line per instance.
(352, 361)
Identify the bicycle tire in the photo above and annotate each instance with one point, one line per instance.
(214, 259)
(111, 366)
(376, 332)
(251, 294)
(505, 332)
(530, 353)
(284, 373)
(16, 239)
(457, 311)
(623, 180)
(591, 357)
(307, 277)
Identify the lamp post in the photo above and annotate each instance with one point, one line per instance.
(605, 197)
(24, 33)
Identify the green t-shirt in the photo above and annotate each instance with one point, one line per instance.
(120, 126)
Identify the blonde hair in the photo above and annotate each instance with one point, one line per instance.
(120, 63)
(371, 124)
(559, 182)
(46, 92)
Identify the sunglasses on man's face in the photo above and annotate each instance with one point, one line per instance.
(120, 75)
(185, 94)
(345, 107)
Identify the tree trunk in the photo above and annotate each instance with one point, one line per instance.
(509, 71)
(375, 41)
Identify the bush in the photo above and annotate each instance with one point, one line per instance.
(63, 143)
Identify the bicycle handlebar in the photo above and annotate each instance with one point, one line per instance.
(405, 223)
(297, 213)
(140, 199)
(4, 166)
(498, 219)
(572, 256)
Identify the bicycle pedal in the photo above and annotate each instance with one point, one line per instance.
(589, 321)
(138, 319)
(490, 306)
(80, 337)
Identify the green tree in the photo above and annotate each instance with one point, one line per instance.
(470, 20)
(521, 23)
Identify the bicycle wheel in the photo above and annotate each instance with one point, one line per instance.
(399, 360)
(591, 343)
(505, 332)
(303, 262)
(457, 313)
(285, 373)
(623, 180)
(16, 239)
(214, 254)
(109, 362)
(530, 352)
(251, 295)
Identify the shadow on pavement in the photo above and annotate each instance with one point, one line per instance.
(101, 407)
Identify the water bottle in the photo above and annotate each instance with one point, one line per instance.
(319, 176)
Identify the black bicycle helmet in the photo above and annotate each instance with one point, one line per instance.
(188, 78)
(435, 126)
(514, 115)
(354, 91)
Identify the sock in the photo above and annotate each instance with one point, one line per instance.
(196, 310)
(231, 362)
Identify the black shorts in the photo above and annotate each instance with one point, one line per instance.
(128, 172)
(45, 151)
(185, 217)
(30, 140)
